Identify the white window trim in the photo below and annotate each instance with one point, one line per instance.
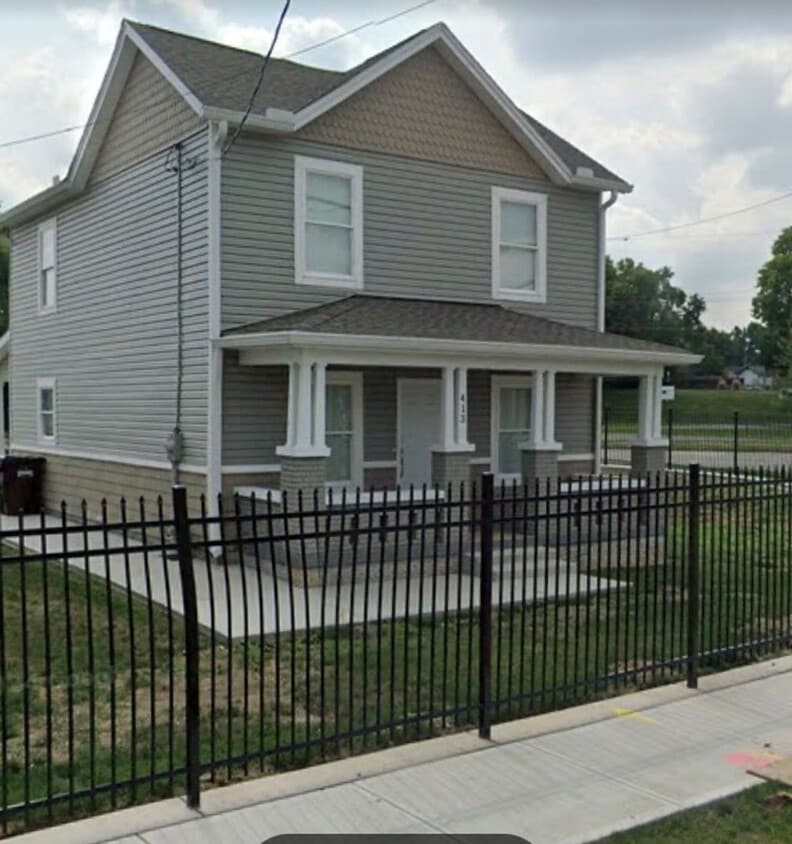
(496, 382)
(525, 198)
(303, 166)
(355, 381)
(52, 306)
(44, 384)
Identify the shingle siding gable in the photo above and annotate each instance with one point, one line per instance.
(423, 109)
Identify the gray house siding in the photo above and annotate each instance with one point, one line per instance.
(254, 412)
(111, 344)
(427, 233)
(149, 115)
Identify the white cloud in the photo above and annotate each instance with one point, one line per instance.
(103, 23)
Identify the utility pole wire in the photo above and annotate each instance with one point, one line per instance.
(703, 220)
(253, 96)
(230, 77)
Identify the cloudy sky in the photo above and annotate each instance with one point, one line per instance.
(689, 101)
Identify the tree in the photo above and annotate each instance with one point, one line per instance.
(641, 302)
(772, 304)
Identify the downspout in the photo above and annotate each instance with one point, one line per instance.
(603, 210)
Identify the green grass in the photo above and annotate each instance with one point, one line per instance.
(760, 815)
(707, 403)
(703, 420)
(304, 691)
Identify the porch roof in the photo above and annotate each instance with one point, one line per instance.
(427, 323)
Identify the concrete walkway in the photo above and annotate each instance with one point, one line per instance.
(233, 601)
(569, 776)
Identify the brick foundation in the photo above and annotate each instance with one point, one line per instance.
(451, 467)
(647, 459)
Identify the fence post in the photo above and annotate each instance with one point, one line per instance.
(736, 441)
(693, 576)
(190, 606)
(485, 606)
(670, 437)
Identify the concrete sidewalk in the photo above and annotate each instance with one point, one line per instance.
(568, 776)
(269, 605)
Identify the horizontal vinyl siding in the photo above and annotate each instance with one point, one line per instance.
(426, 233)
(255, 410)
(255, 405)
(112, 342)
(575, 413)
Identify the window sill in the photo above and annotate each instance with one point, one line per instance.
(534, 297)
(346, 282)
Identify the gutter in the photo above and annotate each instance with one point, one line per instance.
(598, 399)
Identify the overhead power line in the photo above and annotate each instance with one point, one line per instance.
(704, 220)
(257, 88)
(359, 28)
(230, 77)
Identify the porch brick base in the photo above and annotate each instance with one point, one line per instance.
(539, 464)
(302, 473)
(451, 467)
(646, 459)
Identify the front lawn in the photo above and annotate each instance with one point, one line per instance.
(760, 815)
(118, 665)
(705, 404)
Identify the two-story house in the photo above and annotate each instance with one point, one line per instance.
(391, 276)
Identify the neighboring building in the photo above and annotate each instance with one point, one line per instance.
(393, 275)
(755, 377)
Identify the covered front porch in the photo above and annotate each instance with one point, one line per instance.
(380, 393)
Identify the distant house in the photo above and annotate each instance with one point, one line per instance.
(728, 380)
(754, 377)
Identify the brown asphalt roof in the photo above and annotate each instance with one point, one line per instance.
(224, 77)
(435, 319)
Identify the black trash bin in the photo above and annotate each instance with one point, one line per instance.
(23, 482)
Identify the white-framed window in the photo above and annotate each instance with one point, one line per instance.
(511, 397)
(344, 428)
(519, 245)
(47, 409)
(48, 266)
(328, 223)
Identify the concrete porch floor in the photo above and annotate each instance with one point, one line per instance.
(234, 602)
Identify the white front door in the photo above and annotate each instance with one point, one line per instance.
(419, 429)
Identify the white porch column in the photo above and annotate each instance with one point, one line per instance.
(450, 458)
(305, 434)
(650, 408)
(540, 453)
(648, 452)
(453, 411)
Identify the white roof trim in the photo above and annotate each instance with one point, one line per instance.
(128, 43)
(4, 346)
(486, 351)
(481, 82)
(195, 104)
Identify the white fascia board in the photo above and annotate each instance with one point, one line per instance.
(579, 358)
(102, 111)
(273, 120)
(598, 184)
(37, 205)
(154, 57)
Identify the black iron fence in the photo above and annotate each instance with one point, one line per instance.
(718, 441)
(170, 650)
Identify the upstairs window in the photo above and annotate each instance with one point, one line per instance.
(46, 410)
(328, 223)
(48, 255)
(519, 245)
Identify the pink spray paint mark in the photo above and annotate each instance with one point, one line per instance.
(756, 761)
